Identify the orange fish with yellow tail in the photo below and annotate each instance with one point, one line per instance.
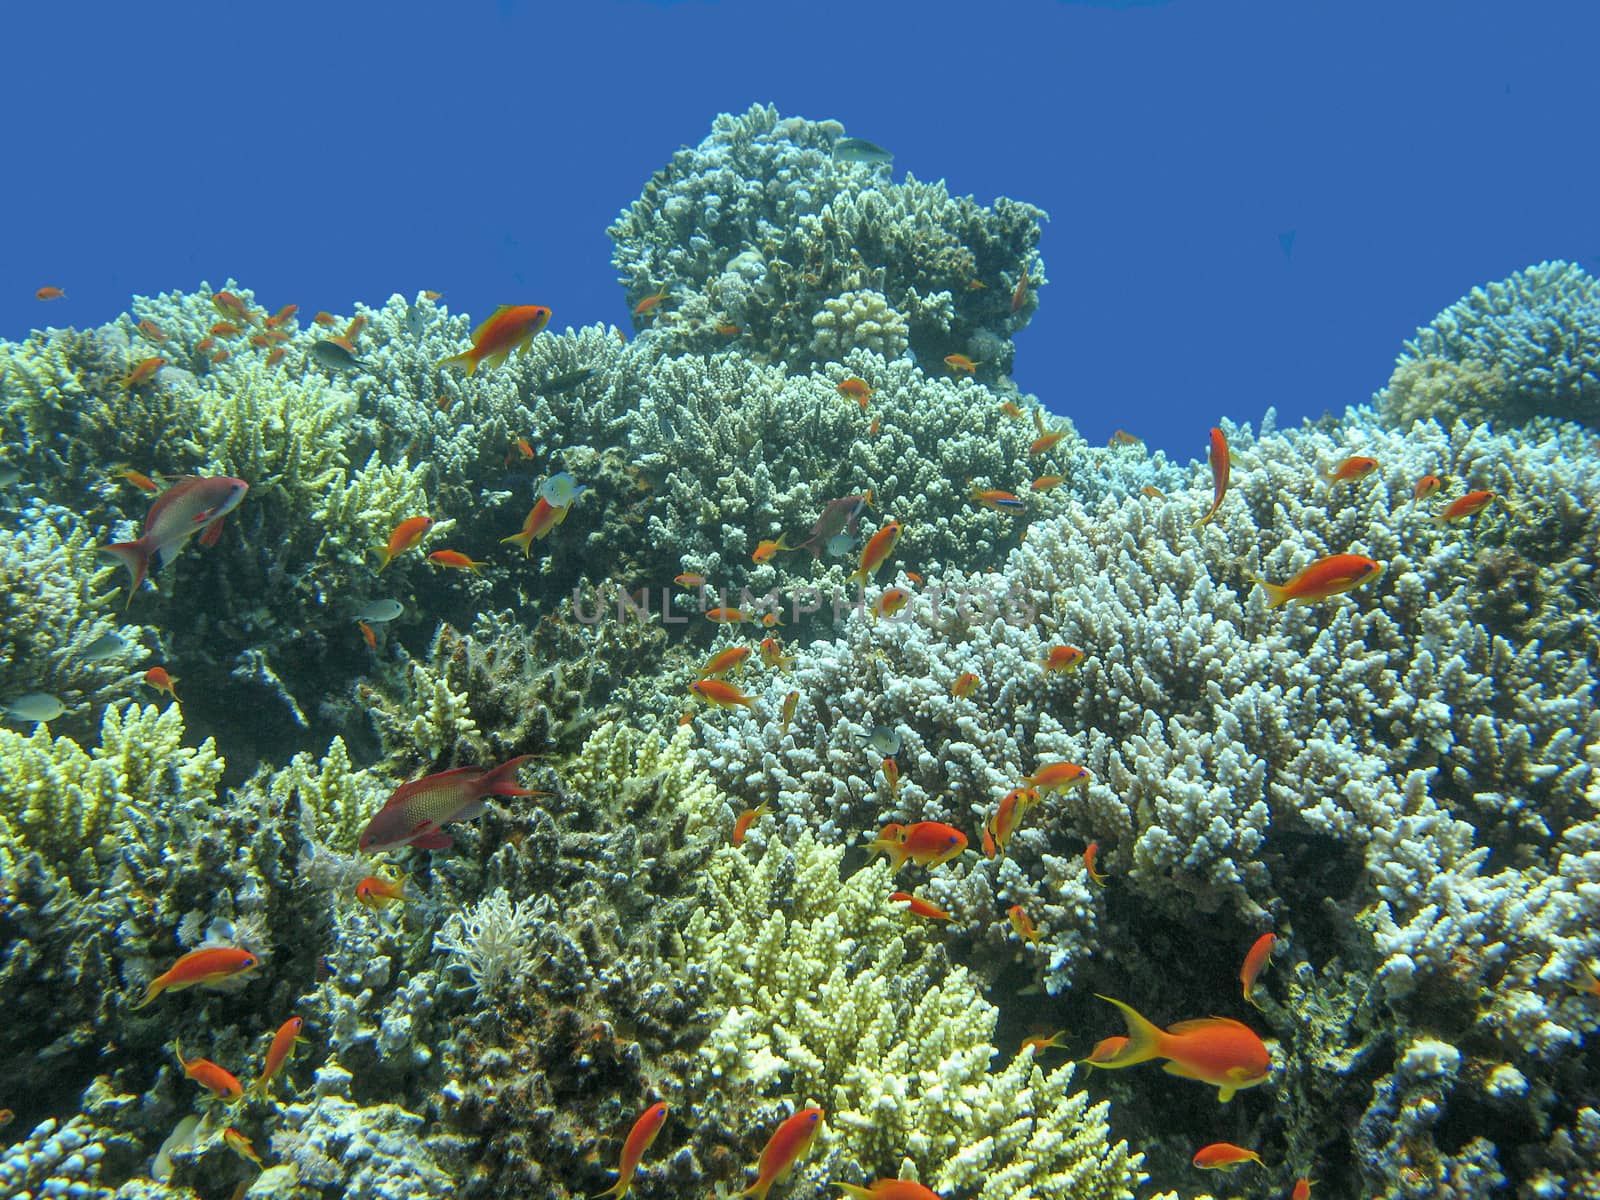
(742, 823)
(876, 552)
(404, 537)
(926, 843)
(890, 1189)
(918, 907)
(1224, 1156)
(541, 519)
(1058, 777)
(789, 1143)
(205, 967)
(721, 694)
(634, 1146)
(376, 892)
(417, 812)
(279, 1051)
(1216, 1051)
(1323, 579)
(221, 1083)
(1257, 957)
(507, 329)
(1221, 465)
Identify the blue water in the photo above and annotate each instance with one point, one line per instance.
(1252, 204)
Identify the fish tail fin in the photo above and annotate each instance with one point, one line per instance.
(615, 1192)
(895, 851)
(525, 540)
(502, 780)
(150, 993)
(1144, 1038)
(135, 556)
(1277, 593)
(465, 361)
(383, 552)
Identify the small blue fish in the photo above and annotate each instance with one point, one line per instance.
(561, 490)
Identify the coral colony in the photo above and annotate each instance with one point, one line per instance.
(787, 757)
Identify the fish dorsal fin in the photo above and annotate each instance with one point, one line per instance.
(483, 326)
(1196, 1024)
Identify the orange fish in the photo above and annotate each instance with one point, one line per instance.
(1221, 464)
(914, 577)
(158, 678)
(1019, 294)
(721, 694)
(230, 305)
(1213, 1050)
(1058, 777)
(772, 655)
(206, 967)
(1046, 483)
(966, 683)
(282, 315)
(857, 390)
(726, 616)
(152, 331)
(141, 481)
(872, 430)
(353, 330)
(279, 1051)
(919, 907)
(1259, 954)
(790, 703)
(1063, 659)
(456, 560)
(961, 364)
(510, 327)
(1010, 409)
(742, 823)
(770, 620)
(427, 295)
(276, 356)
(1351, 470)
(220, 1083)
(1039, 1043)
(416, 813)
(1301, 1189)
(973, 285)
(224, 329)
(997, 830)
(891, 775)
(50, 293)
(926, 843)
(996, 499)
(889, 1189)
(891, 602)
(220, 356)
(1045, 442)
(727, 329)
(143, 372)
(405, 537)
(1091, 854)
(368, 635)
(1152, 493)
(326, 319)
(877, 550)
(1327, 577)
(204, 344)
(724, 661)
(525, 449)
(789, 1143)
(1426, 486)
(541, 519)
(1106, 1050)
(1463, 507)
(767, 549)
(1022, 924)
(649, 303)
(240, 1145)
(376, 892)
(276, 335)
(634, 1146)
(1121, 437)
(1224, 1156)
(689, 579)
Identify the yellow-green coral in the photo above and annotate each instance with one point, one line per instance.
(69, 805)
(831, 993)
(617, 763)
(336, 799)
(432, 719)
(1421, 388)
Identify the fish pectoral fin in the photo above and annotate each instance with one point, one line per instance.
(1173, 1067)
(472, 811)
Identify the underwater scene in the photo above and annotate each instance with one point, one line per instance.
(759, 750)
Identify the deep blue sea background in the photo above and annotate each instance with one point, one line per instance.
(1252, 202)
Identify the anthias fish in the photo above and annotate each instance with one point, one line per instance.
(415, 815)
(194, 504)
(509, 328)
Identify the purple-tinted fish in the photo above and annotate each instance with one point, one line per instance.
(193, 504)
(838, 517)
(418, 811)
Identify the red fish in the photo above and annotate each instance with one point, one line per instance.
(891, 602)
(1046, 483)
(1045, 442)
(282, 315)
(405, 536)
(649, 303)
(996, 499)
(325, 319)
(1463, 507)
(919, 907)
(417, 812)
(788, 1144)
(220, 1083)
(224, 329)
(510, 327)
(1225, 1156)
(377, 892)
(1327, 577)
(139, 480)
(230, 305)
(838, 516)
(241, 1145)
(1106, 1050)
(926, 843)
(456, 561)
(276, 356)
(961, 364)
(1301, 1189)
(690, 579)
(1091, 855)
(1039, 1043)
(720, 694)
(772, 655)
(1259, 954)
(205, 967)
(158, 678)
(1220, 469)
(152, 331)
(195, 504)
(541, 519)
(768, 548)
(143, 372)
(742, 823)
(727, 616)
(279, 1051)
(966, 683)
(1213, 1050)
(876, 552)
(368, 635)
(638, 1141)
(50, 293)
(1019, 294)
